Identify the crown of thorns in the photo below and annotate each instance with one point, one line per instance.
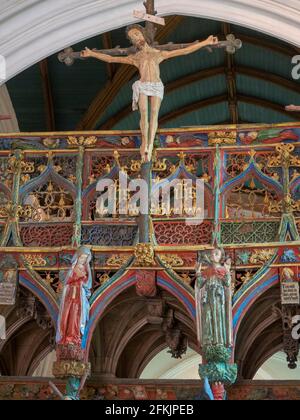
(139, 28)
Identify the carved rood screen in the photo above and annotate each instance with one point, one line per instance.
(50, 196)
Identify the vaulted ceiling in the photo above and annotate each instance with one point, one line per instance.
(253, 86)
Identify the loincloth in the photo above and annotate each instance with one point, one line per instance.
(148, 89)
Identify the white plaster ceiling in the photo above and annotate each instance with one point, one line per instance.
(31, 30)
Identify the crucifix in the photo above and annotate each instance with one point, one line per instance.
(147, 55)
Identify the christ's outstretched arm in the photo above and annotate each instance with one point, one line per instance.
(292, 108)
(212, 40)
(105, 57)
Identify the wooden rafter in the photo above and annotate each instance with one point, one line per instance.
(170, 87)
(223, 98)
(206, 74)
(268, 104)
(48, 98)
(122, 76)
(107, 44)
(192, 107)
(287, 49)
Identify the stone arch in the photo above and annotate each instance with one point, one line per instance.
(260, 335)
(25, 44)
(137, 336)
(30, 335)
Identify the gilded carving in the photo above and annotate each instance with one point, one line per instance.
(65, 369)
(144, 255)
(222, 138)
(172, 261)
(35, 260)
(82, 141)
(117, 260)
(261, 256)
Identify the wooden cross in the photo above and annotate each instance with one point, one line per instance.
(231, 44)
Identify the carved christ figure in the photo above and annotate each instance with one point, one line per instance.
(150, 87)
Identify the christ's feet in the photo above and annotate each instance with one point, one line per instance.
(145, 154)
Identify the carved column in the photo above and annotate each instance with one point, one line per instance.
(290, 300)
(15, 166)
(217, 173)
(144, 219)
(76, 241)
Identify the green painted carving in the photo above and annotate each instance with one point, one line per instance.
(217, 172)
(249, 232)
(219, 372)
(288, 228)
(217, 354)
(72, 389)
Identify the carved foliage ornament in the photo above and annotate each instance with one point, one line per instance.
(82, 141)
(117, 260)
(34, 260)
(14, 212)
(222, 137)
(172, 260)
(66, 369)
(144, 254)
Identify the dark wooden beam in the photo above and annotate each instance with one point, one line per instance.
(122, 76)
(170, 87)
(269, 77)
(48, 98)
(196, 106)
(268, 104)
(206, 74)
(287, 49)
(107, 45)
(126, 73)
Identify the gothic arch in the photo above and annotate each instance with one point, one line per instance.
(266, 334)
(105, 296)
(30, 334)
(136, 337)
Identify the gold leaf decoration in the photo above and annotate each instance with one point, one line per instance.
(172, 261)
(222, 137)
(144, 254)
(82, 141)
(117, 260)
(35, 260)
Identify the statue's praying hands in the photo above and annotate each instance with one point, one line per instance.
(149, 90)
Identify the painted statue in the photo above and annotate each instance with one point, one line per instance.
(75, 307)
(147, 59)
(214, 302)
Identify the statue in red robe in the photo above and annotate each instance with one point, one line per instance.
(75, 307)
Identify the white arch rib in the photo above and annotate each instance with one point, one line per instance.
(34, 29)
